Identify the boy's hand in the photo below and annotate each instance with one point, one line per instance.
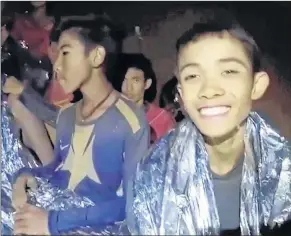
(31, 220)
(13, 86)
(19, 195)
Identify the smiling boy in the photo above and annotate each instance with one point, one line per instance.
(223, 168)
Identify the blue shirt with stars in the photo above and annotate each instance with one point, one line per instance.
(96, 160)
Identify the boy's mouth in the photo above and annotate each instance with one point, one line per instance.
(59, 77)
(213, 111)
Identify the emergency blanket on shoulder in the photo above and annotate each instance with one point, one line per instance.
(172, 192)
(13, 158)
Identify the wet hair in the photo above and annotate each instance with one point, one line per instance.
(218, 27)
(138, 61)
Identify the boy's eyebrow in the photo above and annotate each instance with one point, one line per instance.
(233, 59)
(66, 45)
(222, 60)
(192, 64)
(136, 77)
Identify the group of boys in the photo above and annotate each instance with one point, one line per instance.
(222, 168)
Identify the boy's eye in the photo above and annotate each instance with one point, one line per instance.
(65, 53)
(230, 72)
(135, 79)
(189, 77)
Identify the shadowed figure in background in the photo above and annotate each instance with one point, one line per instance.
(18, 63)
(170, 99)
(137, 80)
(34, 28)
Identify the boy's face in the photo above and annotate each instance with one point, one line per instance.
(72, 65)
(217, 85)
(135, 84)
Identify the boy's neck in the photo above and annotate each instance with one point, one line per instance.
(140, 103)
(224, 154)
(95, 89)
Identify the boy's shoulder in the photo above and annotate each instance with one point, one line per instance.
(127, 110)
(133, 115)
(66, 112)
(136, 109)
(160, 153)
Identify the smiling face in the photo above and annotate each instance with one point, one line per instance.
(216, 83)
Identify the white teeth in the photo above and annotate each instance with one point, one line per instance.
(214, 111)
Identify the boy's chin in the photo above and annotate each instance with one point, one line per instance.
(67, 89)
(219, 135)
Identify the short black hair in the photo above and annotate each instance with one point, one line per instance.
(219, 26)
(98, 31)
(54, 35)
(138, 61)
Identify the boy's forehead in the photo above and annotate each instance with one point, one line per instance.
(133, 71)
(213, 49)
(69, 38)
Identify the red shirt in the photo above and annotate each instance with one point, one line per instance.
(160, 121)
(36, 37)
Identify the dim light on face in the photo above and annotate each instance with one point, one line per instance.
(134, 84)
(71, 66)
(216, 83)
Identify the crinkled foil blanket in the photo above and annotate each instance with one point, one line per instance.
(46, 196)
(13, 158)
(172, 193)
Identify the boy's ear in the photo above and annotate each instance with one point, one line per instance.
(261, 83)
(148, 83)
(97, 56)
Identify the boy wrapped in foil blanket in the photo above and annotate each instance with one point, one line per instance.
(223, 168)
